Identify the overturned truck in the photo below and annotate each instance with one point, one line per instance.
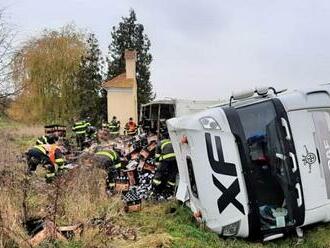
(258, 166)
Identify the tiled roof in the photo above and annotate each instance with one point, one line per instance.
(119, 82)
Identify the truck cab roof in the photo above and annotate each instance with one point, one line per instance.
(314, 97)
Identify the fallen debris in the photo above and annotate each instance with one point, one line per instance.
(119, 232)
(46, 230)
(72, 231)
(114, 231)
(41, 230)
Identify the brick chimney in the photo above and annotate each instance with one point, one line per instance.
(130, 60)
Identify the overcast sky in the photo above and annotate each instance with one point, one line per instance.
(205, 49)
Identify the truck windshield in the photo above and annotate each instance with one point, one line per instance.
(270, 170)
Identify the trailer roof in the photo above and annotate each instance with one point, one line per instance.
(176, 100)
(160, 101)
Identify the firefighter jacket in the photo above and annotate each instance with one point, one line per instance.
(111, 156)
(114, 127)
(79, 128)
(166, 152)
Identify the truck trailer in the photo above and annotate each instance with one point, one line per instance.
(258, 166)
(153, 115)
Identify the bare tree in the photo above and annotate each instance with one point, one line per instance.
(7, 88)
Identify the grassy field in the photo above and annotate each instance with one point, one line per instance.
(79, 197)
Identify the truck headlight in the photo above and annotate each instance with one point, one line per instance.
(209, 123)
(231, 229)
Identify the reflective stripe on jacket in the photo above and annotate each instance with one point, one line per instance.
(110, 154)
(80, 127)
(41, 148)
(105, 125)
(42, 140)
(114, 125)
(166, 150)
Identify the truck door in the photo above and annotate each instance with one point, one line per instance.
(276, 181)
(308, 129)
(321, 119)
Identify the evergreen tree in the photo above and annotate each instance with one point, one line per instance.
(103, 110)
(89, 81)
(130, 35)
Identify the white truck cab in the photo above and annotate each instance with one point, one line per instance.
(258, 166)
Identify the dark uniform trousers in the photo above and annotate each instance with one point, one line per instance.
(165, 175)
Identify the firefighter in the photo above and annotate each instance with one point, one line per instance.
(80, 128)
(130, 127)
(165, 176)
(48, 155)
(109, 160)
(46, 139)
(114, 126)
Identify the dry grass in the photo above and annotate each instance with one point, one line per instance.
(161, 240)
(83, 196)
(24, 131)
(11, 218)
(78, 196)
(11, 179)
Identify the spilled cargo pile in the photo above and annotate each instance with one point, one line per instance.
(130, 161)
(135, 180)
(137, 155)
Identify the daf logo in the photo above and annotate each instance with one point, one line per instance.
(221, 167)
(309, 159)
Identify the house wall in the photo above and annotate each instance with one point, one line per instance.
(122, 103)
